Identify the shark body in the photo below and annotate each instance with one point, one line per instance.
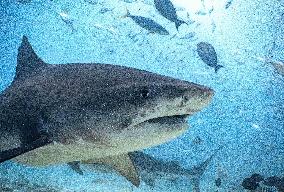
(54, 114)
(151, 169)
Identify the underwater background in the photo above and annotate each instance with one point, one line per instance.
(243, 127)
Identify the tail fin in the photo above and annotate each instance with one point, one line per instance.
(178, 23)
(196, 172)
(218, 67)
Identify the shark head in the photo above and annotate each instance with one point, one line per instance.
(90, 111)
(155, 111)
(144, 109)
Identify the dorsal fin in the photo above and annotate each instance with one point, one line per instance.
(27, 60)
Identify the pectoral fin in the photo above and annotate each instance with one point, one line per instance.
(11, 153)
(123, 165)
(75, 165)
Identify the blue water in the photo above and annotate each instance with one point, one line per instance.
(245, 118)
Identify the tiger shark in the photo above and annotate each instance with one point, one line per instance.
(59, 113)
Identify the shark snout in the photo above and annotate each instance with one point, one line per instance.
(205, 93)
(196, 98)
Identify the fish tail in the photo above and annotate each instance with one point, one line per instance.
(198, 171)
(218, 67)
(178, 23)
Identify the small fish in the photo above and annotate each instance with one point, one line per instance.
(105, 10)
(203, 3)
(197, 141)
(213, 25)
(24, 1)
(279, 66)
(211, 10)
(190, 21)
(92, 2)
(67, 20)
(189, 35)
(148, 24)
(167, 9)
(201, 13)
(129, 1)
(110, 29)
(208, 55)
(228, 4)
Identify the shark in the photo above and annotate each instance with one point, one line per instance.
(150, 169)
(278, 65)
(53, 114)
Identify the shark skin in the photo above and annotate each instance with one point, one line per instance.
(60, 113)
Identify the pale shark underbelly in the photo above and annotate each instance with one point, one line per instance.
(58, 153)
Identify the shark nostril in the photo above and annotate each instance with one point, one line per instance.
(184, 100)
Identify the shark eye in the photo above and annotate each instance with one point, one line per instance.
(145, 93)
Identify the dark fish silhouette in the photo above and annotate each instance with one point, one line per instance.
(201, 12)
(67, 20)
(105, 10)
(148, 24)
(228, 4)
(167, 9)
(189, 35)
(278, 65)
(208, 55)
(24, 1)
(92, 2)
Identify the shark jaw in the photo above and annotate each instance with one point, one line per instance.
(156, 131)
(163, 123)
(192, 100)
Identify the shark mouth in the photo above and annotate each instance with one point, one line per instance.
(179, 118)
(175, 119)
(169, 123)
